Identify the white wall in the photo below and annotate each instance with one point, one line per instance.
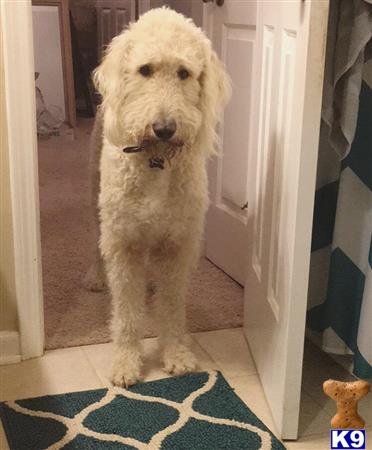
(48, 55)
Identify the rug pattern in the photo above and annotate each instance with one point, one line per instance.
(196, 411)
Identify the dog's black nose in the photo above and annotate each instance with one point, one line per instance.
(164, 130)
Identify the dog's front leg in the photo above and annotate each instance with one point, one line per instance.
(126, 278)
(171, 276)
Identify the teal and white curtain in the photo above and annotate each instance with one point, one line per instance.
(340, 288)
(340, 285)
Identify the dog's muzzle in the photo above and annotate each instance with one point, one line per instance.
(164, 129)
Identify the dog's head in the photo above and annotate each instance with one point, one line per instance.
(160, 80)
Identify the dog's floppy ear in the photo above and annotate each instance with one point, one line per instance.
(110, 80)
(216, 92)
(109, 76)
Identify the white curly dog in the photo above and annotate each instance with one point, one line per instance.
(163, 89)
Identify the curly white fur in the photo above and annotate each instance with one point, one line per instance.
(151, 220)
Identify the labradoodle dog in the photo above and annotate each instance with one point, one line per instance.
(163, 89)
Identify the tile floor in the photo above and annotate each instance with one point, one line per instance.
(83, 368)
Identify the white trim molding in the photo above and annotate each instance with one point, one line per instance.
(16, 22)
(10, 350)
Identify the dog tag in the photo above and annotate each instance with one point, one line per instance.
(156, 163)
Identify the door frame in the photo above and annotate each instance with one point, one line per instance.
(16, 24)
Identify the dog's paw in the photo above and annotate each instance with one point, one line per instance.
(95, 279)
(179, 360)
(126, 371)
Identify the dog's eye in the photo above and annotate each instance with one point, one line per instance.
(183, 74)
(145, 70)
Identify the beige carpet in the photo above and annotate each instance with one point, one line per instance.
(74, 316)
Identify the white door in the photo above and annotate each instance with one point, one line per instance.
(288, 81)
(274, 52)
(232, 29)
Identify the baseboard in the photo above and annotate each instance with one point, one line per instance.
(10, 350)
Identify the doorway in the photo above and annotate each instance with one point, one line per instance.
(67, 237)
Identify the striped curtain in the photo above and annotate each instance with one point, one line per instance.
(340, 288)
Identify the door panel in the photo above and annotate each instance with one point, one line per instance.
(232, 29)
(281, 229)
(261, 170)
(287, 88)
(112, 17)
(237, 53)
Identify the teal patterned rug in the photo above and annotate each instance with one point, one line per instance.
(191, 412)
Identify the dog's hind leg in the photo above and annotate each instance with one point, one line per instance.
(95, 278)
(171, 271)
(127, 282)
